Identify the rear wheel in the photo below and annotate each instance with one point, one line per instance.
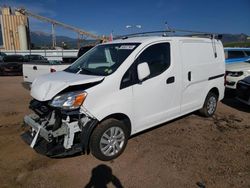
(109, 139)
(210, 105)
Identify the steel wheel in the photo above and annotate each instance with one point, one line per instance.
(112, 141)
(211, 105)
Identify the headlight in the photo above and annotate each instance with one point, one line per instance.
(69, 101)
(234, 74)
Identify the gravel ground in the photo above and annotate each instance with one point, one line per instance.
(191, 151)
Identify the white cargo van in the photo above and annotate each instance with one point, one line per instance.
(120, 88)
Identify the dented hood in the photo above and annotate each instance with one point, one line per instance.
(45, 87)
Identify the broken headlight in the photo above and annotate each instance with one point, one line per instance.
(69, 101)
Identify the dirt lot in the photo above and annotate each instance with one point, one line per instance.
(189, 152)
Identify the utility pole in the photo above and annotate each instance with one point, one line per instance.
(53, 36)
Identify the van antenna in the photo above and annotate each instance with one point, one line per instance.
(214, 45)
(168, 28)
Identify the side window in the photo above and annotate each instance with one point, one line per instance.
(158, 58)
(129, 78)
(235, 54)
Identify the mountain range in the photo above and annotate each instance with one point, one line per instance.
(40, 39)
(44, 40)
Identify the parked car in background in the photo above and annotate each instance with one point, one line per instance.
(33, 69)
(12, 65)
(243, 90)
(2, 55)
(236, 72)
(35, 58)
(236, 55)
(121, 88)
(37, 68)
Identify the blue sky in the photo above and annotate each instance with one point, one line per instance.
(103, 17)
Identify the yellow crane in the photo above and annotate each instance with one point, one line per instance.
(54, 23)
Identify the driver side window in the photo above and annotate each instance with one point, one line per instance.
(158, 58)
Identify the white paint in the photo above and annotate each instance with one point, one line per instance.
(151, 102)
(69, 138)
(47, 86)
(143, 71)
(32, 71)
(198, 58)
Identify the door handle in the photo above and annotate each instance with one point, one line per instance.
(189, 76)
(170, 80)
(34, 68)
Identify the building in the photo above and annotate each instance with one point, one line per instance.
(14, 27)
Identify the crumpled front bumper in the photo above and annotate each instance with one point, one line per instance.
(44, 141)
(38, 128)
(50, 149)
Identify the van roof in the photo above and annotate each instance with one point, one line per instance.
(147, 39)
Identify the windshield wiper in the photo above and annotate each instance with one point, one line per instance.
(81, 69)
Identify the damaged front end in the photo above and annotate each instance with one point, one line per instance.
(58, 132)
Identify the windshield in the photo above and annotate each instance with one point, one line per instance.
(102, 60)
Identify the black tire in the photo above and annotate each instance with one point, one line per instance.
(210, 105)
(104, 128)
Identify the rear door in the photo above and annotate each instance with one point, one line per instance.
(157, 99)
(198, 62)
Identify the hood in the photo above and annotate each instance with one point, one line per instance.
(45, 87)
(238, 66)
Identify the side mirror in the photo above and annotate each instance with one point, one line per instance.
(143, 71)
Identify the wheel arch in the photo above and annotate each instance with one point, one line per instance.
(88, 131)
(203, 110)
(214, 90)
(121, 117)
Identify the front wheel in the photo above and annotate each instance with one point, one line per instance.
(210, 105)
(109, 139)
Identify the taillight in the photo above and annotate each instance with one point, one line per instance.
(52, 70)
